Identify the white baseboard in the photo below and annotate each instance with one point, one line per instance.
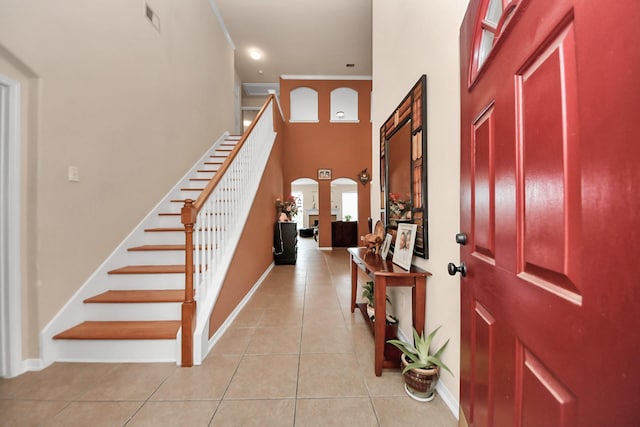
(449, 399)
(229, 320)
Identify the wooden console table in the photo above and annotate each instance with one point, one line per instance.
(385, 273)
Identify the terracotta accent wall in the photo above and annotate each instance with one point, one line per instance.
(254, 253)
(345, 148)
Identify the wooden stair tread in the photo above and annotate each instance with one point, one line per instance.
(138, 296)
(160, 248)
(157, 248)
(170, 229)
(163, 229)
(122, 330)
(149, 269)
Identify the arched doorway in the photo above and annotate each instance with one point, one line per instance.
(305, 190)
(344, 213)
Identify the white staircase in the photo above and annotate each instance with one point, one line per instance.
(129, 310)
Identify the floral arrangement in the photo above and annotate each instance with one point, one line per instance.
(399, 208)
(286, 209)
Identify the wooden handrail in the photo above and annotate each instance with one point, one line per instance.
(189, 214)
(206, 193)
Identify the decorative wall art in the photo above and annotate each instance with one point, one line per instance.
(324, 174)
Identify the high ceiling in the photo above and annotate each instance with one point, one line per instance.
(298, 37)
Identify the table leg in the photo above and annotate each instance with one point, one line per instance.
(354, 283)
(380, 292)
(419, 296)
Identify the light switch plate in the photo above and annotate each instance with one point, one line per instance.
(74, 174)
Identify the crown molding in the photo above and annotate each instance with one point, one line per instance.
(223, 27)
(323, 77)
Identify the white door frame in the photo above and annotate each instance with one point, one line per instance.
(10, 264)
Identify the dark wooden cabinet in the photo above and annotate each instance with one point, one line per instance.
(285, 243)
(344, 234)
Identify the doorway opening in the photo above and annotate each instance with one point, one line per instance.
(344, 213)
(305, 191)
(10, 280)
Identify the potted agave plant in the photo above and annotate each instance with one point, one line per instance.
(421, 369)
(367, 293)
(391, 322)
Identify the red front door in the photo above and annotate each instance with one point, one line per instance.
(550, 202)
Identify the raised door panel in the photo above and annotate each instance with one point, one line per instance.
(549, 174)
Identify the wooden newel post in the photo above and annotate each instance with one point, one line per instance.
(188, 216)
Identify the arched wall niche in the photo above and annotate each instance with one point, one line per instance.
(303, 105)
(344, 105)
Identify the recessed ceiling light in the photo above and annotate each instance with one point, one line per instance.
(255, 54)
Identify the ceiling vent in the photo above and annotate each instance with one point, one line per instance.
(261, 89)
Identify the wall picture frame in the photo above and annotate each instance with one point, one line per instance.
(324, 174)
(386, 244)
(405, 240)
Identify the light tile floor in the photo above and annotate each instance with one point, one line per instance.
(294, 356)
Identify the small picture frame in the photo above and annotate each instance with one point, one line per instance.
(403, 249)
(384, 249)
(324, 174)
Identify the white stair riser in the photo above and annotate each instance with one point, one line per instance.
(116, 351)
(145, 281)
(193, 195)
(207, 175)
(155, 257)
(133, 311)
(164, 238)
(165, 221)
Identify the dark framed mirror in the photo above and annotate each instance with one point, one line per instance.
(403, 167)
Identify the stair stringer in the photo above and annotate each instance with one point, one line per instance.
(75, 310)
(201, 342)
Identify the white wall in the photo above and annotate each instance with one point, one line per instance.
(411, 38)
(131, 107)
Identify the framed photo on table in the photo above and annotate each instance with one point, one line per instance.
(405, 240)
(384, 249)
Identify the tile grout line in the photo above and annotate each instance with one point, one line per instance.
(235, 371)
(146, 400)
(304, 303)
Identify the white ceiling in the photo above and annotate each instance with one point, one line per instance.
(298, 37)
